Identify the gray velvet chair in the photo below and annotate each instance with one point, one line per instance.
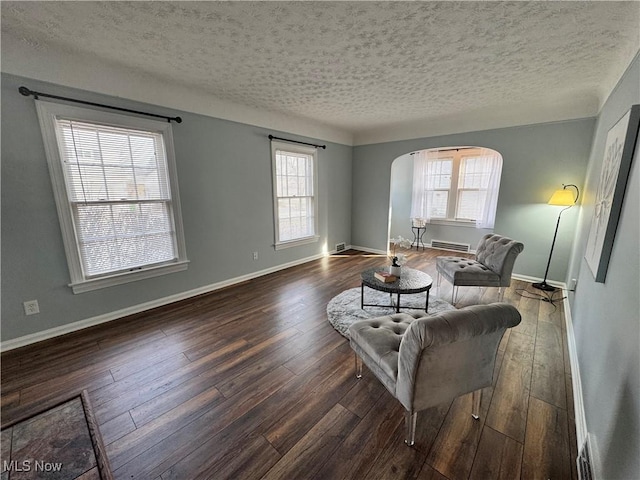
(428, 360)
(492, 267)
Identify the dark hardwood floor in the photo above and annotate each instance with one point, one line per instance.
(253, 382)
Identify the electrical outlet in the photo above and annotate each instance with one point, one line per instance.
(31, 307)
(255, 255)
(573, 285)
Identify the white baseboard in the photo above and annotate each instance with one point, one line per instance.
(528, 279)
(369, 250)
(576, 382)
(107, 317)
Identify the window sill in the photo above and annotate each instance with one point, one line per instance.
(295, 243)
(454, 223)
(119, 279)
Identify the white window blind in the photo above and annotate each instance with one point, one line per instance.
(438, 184)
(295, 197)
(115, 182)
(120, 197)
(473, 182)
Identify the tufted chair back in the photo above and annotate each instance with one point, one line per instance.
(451, 354)
(499, 254)
(492, 267)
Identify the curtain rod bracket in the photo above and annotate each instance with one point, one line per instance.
(36, 95)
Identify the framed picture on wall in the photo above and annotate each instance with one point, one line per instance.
(618, 155)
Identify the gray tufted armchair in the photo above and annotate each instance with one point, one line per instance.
(495, 257)
(428, 360)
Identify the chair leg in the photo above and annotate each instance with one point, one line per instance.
(410, 424)
(358, 366)
(454, 294)
(501, 293)
(477, 397)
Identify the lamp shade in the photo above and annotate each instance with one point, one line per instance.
(562, 197)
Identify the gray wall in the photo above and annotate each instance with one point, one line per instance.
(538, 159)
(224, 172)
(606, 316)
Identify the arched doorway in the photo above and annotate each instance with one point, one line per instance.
(452, 190)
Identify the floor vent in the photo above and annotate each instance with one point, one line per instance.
(584, 462)
(340, 247)
(445, 245)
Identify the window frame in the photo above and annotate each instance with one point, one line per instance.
(452, 205)
(48, 114)
(300, 150)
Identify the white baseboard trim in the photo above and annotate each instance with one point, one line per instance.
(576, 382)
(369, 250)
(528, 279)
(107, 317)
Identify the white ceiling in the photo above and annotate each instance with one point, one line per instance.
(365, 68)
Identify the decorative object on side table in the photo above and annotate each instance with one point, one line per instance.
(397, 260)
(385, 277)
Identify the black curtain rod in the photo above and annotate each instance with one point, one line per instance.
(271, 137)
(26, 92)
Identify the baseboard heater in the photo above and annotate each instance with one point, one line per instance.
(446, 245)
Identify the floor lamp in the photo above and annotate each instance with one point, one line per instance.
(564, 198)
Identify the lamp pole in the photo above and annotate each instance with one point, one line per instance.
(544, 285)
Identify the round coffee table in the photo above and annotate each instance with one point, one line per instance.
(410, 281)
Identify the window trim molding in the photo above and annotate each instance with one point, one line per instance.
(293, 148)
(48, 113)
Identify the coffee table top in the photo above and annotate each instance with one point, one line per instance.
(410, 281)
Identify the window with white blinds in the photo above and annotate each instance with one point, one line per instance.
(473, 183)
(114, 177)
(438, 184)
(457, 185)
(295, 203)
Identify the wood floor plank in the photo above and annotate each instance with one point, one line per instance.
(546, 447)
(547, 381)
(305, 458)
(508, 411)
(117, 428)
(363, 396)
(365, 442)
(120, 388)
(498, 457)
(248, 459)
(125, 448)
(455, 445)
(529, 309)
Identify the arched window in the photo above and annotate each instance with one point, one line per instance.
(456, 185)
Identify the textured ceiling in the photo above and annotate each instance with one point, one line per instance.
(353, 65)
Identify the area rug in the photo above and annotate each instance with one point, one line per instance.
(344, 309)
(61, 443)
